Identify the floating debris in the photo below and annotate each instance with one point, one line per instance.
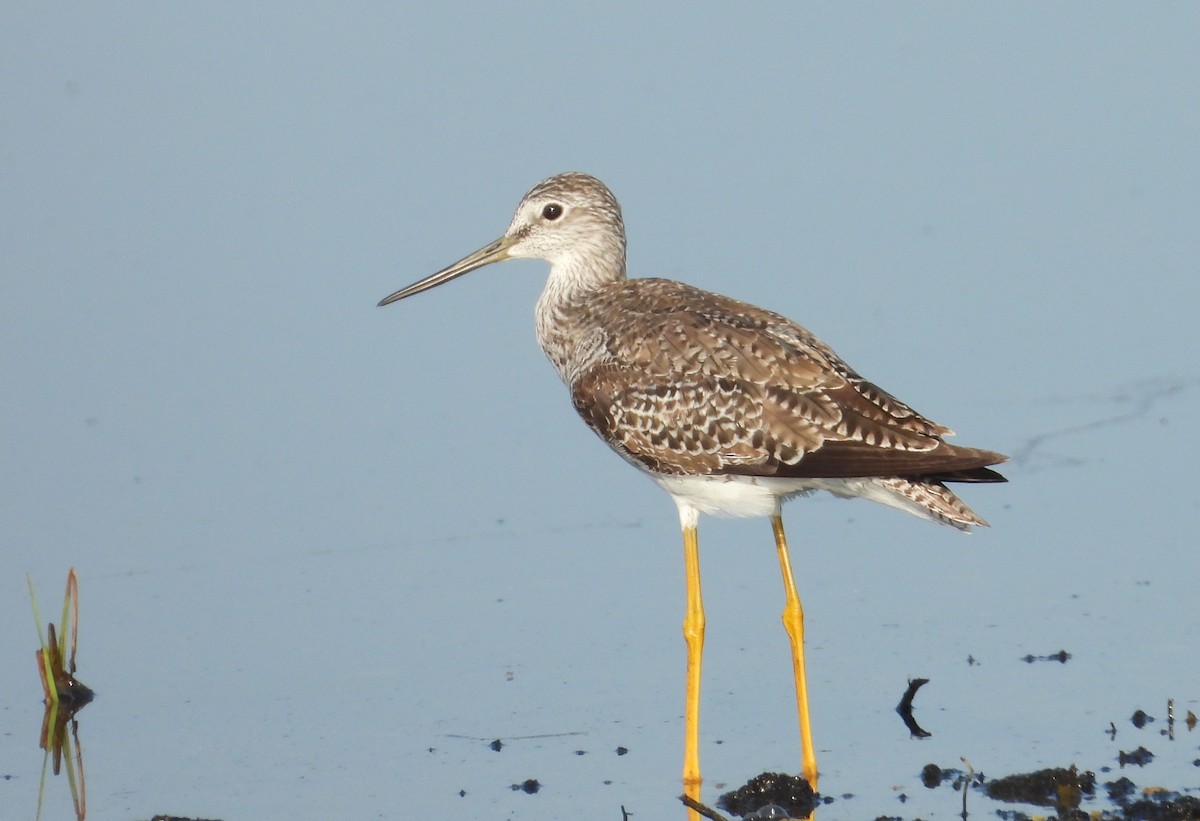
(1061, 657)
(904, 708)
(1139, 757)
(932, 776)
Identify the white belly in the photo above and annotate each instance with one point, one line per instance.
(732, 495)
(763, 496)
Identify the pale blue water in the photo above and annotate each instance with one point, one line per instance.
(327, 552)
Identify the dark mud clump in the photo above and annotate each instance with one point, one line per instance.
(1064, 788)
(1162, 807)
(791, 793)
(1138, 758)
(1055, 787)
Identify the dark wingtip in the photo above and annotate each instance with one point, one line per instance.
(977, 475)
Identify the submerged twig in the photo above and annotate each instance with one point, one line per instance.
(966, 784)
(705, 810)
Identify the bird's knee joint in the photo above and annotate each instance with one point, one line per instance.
(793, 614)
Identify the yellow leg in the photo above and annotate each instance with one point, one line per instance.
(793, 622)
(693, 635)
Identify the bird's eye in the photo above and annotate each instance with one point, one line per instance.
(552, 211)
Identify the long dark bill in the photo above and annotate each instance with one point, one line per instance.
(492, 252)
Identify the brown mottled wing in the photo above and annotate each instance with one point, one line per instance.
(693, 425)
(693, 382)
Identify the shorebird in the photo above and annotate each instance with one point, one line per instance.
(731, 409)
